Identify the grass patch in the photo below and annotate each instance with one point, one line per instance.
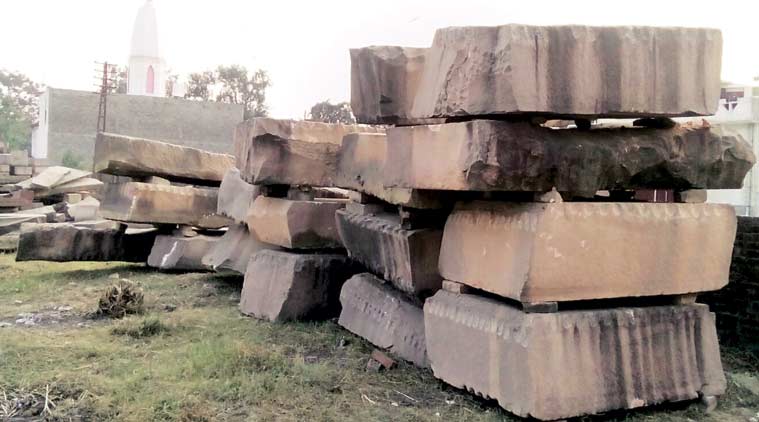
(205, 362)
(147, 327)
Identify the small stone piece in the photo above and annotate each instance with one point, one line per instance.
(136, 157)
(62, 242)
(406, 258)
(295, 224)
(289, 152)
(21, 170)
(570, 251)
(72, 198)
(236, 196)
(84, 210)
(573, 363)
(456, 287)
(180, 253)
(286, 286)
(693, 196)
(489, 155)
(234, 249)
(386, 361)
(158, 204)
(383, 316)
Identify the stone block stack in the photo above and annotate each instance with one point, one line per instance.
(171, 187)
(561, 295)
(293, 165)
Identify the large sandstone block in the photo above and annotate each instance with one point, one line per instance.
(295, 224)
(534, 252)
(384, 316)
(361, 167)
(236, 196)
(285, 286)
(549, 70)
(289, 152)
(233, 250)
(406, 258)
(176, 252)
(489, 155)
(573, 363)
(63, 242)
(161, 204)
(136, 157)
(384, 82)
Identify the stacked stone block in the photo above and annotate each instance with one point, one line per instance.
(561, 294)
(291, 163)
(171, 187)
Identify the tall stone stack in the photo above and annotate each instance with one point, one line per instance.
(561, 296)
(300, 274)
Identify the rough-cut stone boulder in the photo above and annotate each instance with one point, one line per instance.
(176, 252)
(489, 155)
(68, 242)
(384, 316)
(286, 286)
(160, 204)
(295, 224)
(289, 152)
(136, 157)
(233, 250)
(361, 167)
(406, 258)
(236, 196)
(561, 71)
(384, 81)
(567, 251)
(573, 363)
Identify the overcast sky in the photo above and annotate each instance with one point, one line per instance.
(304, 44)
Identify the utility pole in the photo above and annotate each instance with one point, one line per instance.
(105, 85)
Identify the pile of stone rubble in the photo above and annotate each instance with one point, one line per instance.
(490, 231)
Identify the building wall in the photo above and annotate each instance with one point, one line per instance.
(737, 304)
(69, 120)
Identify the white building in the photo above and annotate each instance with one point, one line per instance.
(739, 112)
(147, 68)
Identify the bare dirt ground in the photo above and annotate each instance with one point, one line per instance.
(190, 356)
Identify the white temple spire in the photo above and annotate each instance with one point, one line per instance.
(147, 73)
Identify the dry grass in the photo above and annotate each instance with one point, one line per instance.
(192, 357)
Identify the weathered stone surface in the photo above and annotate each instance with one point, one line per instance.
(19, 198)
(9, 241)
(557, 71)
(236, 196)
(285, 286)
(136, 157)
(19, 158)
(489, 155)
(384, 316)
(13, 221)
(234, 249)
(84, 210)
(295, 224)
(53, 177)
(21, 171)
(180, 253)
(384, 81)
(63, 242)
(588, 250)
(572, 363)
(146, 203)
(406, 258)
(289, 152)
(361, 167)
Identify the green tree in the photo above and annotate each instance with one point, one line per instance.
(327, 112)
(19, 108)
(237, 87)
(199, 85)
(233, 85)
